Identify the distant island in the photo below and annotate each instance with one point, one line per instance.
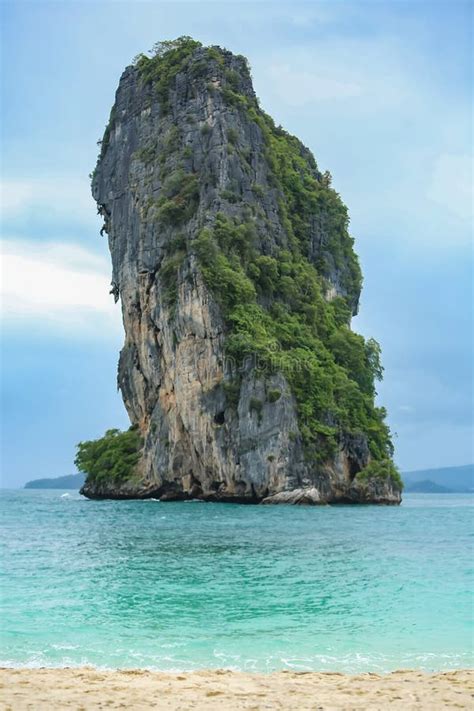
(446, 480)
(428, 487)
(71, 481)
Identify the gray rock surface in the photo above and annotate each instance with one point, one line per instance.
(201, 442)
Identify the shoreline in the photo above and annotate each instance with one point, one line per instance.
(91, 688)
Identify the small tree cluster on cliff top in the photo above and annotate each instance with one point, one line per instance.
(161, 48)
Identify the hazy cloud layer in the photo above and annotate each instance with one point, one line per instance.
(60, 284)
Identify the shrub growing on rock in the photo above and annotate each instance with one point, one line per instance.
(112, 457)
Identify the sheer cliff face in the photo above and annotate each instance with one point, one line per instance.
(178, 157)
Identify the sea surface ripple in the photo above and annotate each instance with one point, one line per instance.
(177, 586)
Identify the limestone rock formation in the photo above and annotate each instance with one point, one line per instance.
(237, 280)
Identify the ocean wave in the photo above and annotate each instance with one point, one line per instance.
(348, 664)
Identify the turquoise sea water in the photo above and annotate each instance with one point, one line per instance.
(191, 585)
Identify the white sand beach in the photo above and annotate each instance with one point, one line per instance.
(89, 689)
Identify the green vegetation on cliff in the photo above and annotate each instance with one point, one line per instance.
(169, 58)
(382, 470)
(330, 369)
(113, 457)
(306, 194)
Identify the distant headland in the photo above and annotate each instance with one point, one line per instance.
(71, 481)
(446, 480)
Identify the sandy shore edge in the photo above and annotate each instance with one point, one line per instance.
(87, 688)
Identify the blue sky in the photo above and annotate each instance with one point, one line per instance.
(381, 94)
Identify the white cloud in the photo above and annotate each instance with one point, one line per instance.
(452, 185)
(62, 196)
(64, 284)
